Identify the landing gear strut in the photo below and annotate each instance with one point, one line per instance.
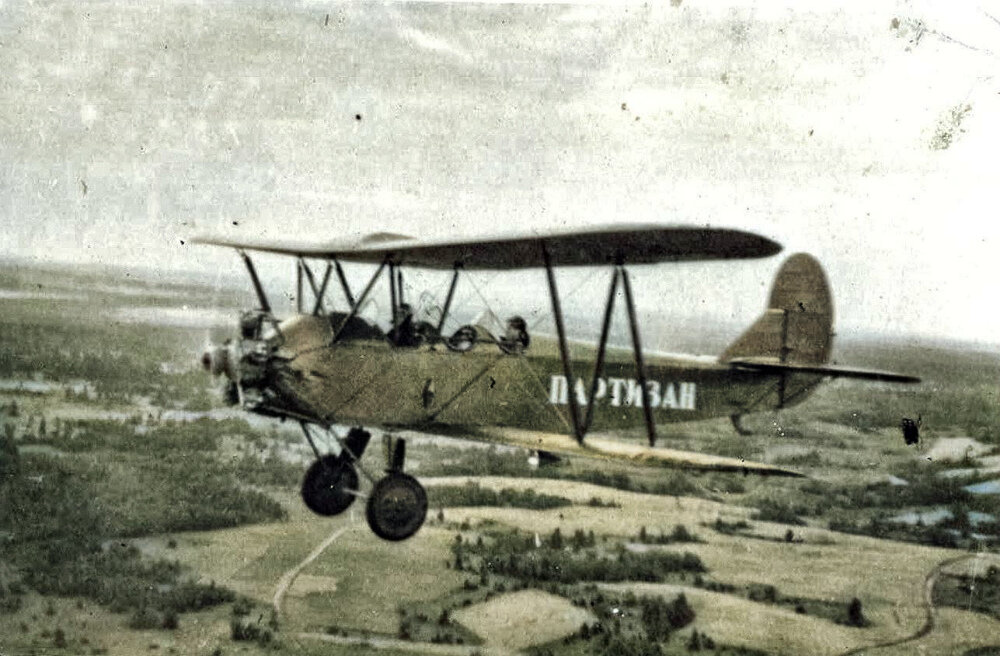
(397, 506)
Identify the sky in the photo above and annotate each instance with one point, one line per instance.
(863, 133)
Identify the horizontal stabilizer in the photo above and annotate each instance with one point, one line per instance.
(822, 370)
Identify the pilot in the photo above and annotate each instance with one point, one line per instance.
(515, 339)
(404, 334)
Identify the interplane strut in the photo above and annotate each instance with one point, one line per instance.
(601, 348)
(563, 350)
(639, 364)
(580, 427)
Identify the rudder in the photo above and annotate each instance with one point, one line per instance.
(797, 325)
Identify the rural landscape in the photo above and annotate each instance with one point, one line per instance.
(139, 514)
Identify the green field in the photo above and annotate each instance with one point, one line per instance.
(141, 516)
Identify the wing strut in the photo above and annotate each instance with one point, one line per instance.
(322, 289)
(563, 350)
(639, 364)
(601, 348)
(261, 296)
(399, 285)
(343, 282)
(318, 292)
(448, 298)
(393, 300)
(361, 299)
(580, 428)
(298, 286)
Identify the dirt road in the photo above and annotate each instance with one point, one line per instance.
(288, 578)
(929, 608)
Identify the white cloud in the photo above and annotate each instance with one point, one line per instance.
(810, 126)
(88, 114)
(434, 43)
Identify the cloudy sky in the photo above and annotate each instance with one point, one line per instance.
(865, 133)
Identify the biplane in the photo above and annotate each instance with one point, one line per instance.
(494, 381)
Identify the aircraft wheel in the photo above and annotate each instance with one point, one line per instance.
(329, 486)
(397, 507)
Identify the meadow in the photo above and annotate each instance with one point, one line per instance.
(137, 511)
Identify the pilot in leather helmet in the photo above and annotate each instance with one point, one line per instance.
(515, 339)
(404, 334)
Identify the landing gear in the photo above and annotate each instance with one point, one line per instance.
(330, 486)
(331, 482)
(397, 506)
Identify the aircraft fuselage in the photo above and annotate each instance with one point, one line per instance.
(372, 382)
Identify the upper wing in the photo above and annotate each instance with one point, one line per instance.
(595, 447)
(822, 370)
(633, 244)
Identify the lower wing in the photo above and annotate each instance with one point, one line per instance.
(603, 448)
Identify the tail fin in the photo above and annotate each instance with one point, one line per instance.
(796, 327)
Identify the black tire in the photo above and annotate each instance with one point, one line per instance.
(329, 486)
(397, 507)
